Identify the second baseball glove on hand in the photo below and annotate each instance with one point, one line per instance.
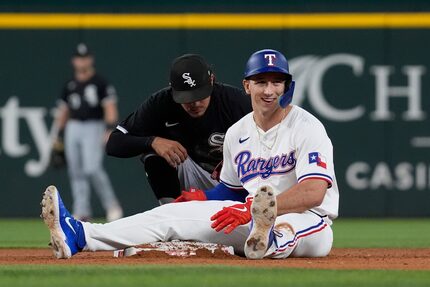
(58, 157)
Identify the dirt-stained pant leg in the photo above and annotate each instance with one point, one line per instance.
(301, 235)
(182, 221)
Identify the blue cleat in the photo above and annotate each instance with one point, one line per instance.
(67, 233)
(263, 212)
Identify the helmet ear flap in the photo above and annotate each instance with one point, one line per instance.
(287, 97)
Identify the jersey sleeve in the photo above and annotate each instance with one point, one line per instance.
(107, 91)
(314, 154)
(144, 121)
(228, 173)
(110, 93)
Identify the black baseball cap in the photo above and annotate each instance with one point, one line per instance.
(81, 50)
(190, 79)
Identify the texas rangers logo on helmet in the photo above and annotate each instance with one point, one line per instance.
(271, 57)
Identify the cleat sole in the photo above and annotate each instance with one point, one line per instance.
(50, 215)
(263, 211)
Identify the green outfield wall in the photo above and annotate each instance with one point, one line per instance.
(364, 75)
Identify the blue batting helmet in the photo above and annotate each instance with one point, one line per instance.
(268, 60)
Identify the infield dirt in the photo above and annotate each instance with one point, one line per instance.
(339, 258)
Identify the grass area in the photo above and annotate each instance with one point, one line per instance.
(23, 233)
(388, 233)
(364, 233)
(202, 276)
(398, 233)
(20, 233)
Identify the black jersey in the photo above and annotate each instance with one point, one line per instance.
(85, 99)
(202, 137)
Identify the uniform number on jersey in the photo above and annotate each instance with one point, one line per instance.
(90, 96)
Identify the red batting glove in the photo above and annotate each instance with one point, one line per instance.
(192, 194)
(232, 216)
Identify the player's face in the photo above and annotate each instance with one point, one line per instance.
(198, 108)
(265, 89)
(83, 67)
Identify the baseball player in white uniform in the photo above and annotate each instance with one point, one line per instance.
(279, 153)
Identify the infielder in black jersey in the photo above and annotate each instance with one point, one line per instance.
(179, 130)
(87, 112)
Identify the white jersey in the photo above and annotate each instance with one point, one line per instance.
(295, 150)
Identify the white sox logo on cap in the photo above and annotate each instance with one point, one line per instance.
(270, 57)
(188, 79)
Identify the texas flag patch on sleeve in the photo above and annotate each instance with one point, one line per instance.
(316, 157)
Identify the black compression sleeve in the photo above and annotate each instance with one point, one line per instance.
(126, 145)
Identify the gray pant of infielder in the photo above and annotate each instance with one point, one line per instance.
(190, 175)
(84, 149)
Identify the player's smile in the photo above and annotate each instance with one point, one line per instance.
(269, 100)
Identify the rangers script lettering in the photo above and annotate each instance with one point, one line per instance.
(249, 167)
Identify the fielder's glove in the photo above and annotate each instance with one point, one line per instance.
(191, 194)
(232, 216)
(58, 158)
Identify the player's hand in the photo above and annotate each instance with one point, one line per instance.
(172, 151)
(216, 173)
(192, 194)
(232, 216)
